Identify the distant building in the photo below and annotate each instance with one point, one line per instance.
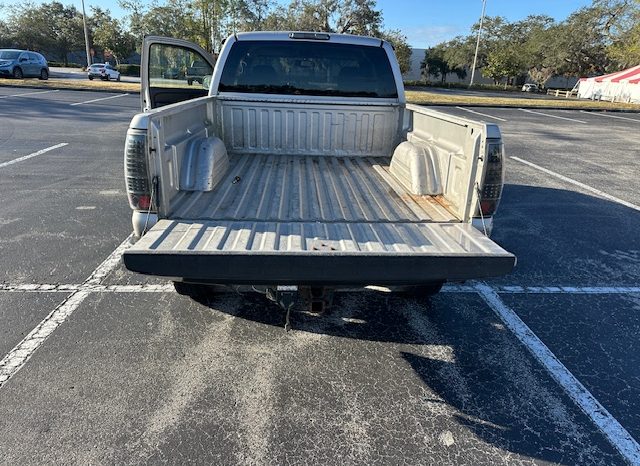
(415, 73)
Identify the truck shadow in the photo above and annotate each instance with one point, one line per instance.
(465, 374)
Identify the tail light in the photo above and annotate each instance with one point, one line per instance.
(136, 171)
(493, 178)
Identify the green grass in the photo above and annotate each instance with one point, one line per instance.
(416, 97)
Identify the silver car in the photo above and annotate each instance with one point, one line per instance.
(22, 64)
(103, 71)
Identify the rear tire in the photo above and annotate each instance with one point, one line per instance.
(90, 78)
(189, 82)
(17, 73)
(44, 75)
(420, 291)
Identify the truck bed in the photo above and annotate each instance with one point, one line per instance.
(281, 188)
(313, 220)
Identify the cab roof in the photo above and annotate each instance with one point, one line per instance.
(309, 36)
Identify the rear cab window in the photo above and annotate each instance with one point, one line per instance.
(308, 68)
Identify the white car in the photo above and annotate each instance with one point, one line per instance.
(530, 87)
(103, 71)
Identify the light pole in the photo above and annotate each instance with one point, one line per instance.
(86, 35)
(475, 56)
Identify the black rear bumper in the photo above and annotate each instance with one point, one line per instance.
(316, 269)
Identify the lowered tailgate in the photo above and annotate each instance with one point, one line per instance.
(317, 253)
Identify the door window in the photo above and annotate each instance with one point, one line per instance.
(174, 66)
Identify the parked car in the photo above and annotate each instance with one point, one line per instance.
(530, 87)
(173, 73)
(103, 71)
(22, 64)
(197, 71)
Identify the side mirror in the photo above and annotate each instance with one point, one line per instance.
(206, 82)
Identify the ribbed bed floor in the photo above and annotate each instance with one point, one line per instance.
(282, 188)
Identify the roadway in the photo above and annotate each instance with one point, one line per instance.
(77, 73)
(110, 367)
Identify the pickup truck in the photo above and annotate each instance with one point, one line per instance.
(302, 168)
(197, 71)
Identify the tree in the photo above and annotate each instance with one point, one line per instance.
(621, 25)
(359, 17)
(435, 64)
(110, 35)
(501, 64)
(626, 51)
(401, 48)
(6, 37)
(579, 44)
(458, 53)
(52, 28)
(454, 56)
(539, 52)
(342, 16)
(254, 13)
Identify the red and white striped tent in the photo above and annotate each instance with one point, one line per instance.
(623, 86)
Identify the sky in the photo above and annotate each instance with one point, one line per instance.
(426, 22)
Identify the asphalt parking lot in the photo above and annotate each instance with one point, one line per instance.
(100, 366)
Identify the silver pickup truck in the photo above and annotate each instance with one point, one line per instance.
(302, 167)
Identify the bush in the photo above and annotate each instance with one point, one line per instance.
(482, 87)
(129, 70)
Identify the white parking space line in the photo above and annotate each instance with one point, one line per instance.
(481, 114)
(98, 100)
(510, 289)
(67, 288)
(606, 423)
(38, 288)
(35, 154)
(23, 351)
(27, 94)
(552, 116)
(595, 191)
(606, 115)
